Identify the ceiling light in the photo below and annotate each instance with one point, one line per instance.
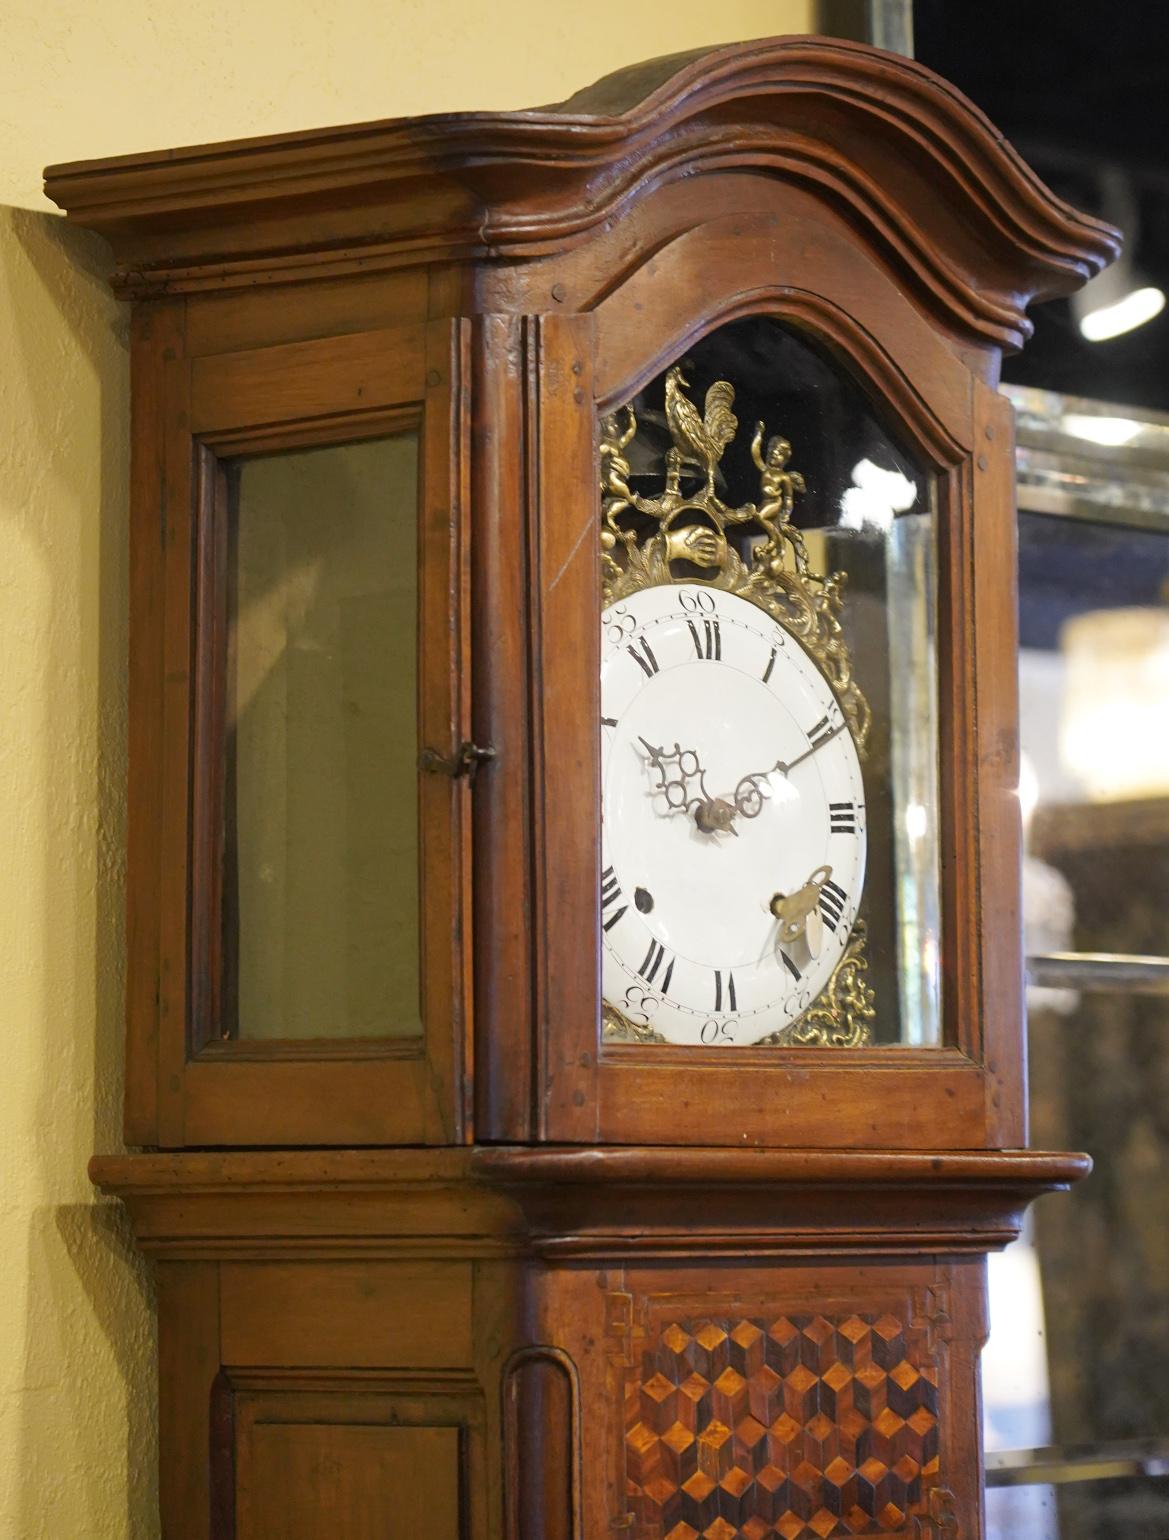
(1119, 299)
(1122, 315)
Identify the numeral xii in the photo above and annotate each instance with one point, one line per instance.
(708, 645)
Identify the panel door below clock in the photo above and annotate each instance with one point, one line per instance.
(321, 1481)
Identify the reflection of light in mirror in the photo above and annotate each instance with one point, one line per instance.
(916, 821)
(875, 497)
(929, 955)
(271, 624)
(1115, 729)
(1112, 432)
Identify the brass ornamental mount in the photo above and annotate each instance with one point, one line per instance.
(691, 528)
(842, 1016)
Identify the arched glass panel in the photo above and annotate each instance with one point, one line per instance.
(769, 708)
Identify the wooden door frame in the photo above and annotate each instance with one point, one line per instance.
(259, 400)
(794, 259)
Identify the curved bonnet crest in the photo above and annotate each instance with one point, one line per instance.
(969, 225)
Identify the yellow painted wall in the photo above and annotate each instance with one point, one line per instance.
(80, 79)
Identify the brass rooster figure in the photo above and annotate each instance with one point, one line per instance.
(708, 436)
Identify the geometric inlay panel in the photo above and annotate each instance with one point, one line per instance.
(792, 1427)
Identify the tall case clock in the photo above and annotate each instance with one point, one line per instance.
(574, 1001)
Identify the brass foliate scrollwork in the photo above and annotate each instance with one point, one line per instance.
(616, 1028)
(691, 527)
(843, 1016)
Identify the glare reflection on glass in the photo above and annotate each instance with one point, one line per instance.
(916, 820)
(1028, 790)
(875, 497)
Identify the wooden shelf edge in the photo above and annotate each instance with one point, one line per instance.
(514, 1166)
(579, 1204)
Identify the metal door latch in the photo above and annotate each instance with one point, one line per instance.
(464, 762)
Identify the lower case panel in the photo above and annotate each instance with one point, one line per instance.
(793, 1409)
(298, 1478)
(728, 1401)
(395, 1348)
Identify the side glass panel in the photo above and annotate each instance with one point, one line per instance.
(1076, 1376)
(769, 708)
(320, 889)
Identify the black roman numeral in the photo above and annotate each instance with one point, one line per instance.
(842, 817)
(770, 666)
(642, 654)
(610, 895)
(791, 967)
(608, 721)
(820, 732)
(653, 961)
(832, 901)
(718, 991)
(708, 646)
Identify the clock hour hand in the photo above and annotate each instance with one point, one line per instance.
(682, 780)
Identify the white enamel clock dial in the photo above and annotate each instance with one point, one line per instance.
(730, 783)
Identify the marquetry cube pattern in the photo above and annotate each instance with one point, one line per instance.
(798, 1427)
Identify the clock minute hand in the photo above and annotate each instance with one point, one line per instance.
(807, 754)
(749, 794)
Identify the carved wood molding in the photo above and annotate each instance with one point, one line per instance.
(968, 222)
(940, 1521)
(620, 1204)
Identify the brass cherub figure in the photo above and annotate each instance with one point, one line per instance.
(779, 487)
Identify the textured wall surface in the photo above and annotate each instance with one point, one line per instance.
(76, 1372)
(77, 80)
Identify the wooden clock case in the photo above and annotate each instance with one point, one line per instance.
(514, 1282)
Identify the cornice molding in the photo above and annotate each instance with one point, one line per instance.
(907, 159)
(569, 1201)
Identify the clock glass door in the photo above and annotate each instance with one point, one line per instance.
(768, 697)
(320, 902)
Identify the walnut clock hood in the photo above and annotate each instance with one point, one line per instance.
(575, 1049)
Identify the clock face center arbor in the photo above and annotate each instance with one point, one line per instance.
(574, 972)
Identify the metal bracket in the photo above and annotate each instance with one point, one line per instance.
(464, 762)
